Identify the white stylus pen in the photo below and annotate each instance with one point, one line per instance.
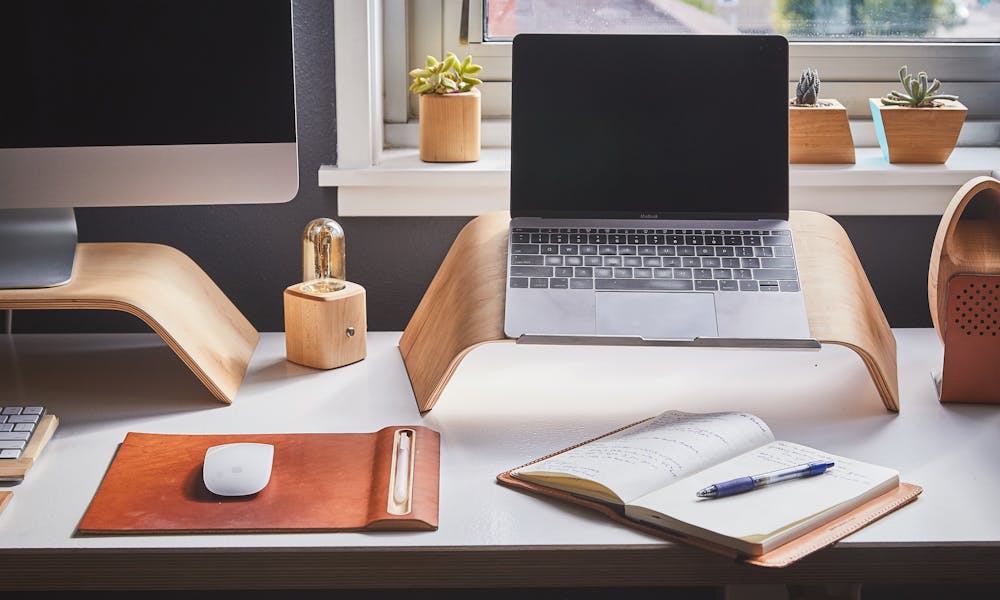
(402, 489)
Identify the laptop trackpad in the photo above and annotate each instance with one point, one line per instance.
(657, 315)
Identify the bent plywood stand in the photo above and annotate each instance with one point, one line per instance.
(170, 293)
(464, 304)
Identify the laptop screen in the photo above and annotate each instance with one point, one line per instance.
(649, 126)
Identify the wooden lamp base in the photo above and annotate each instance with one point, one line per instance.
(325, 329)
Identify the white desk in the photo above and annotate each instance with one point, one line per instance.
(101, 386)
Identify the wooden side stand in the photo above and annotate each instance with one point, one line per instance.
(464, 304)
(170, 293)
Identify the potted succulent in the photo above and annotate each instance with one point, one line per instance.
(449, 109)
(917, 125)
(818, 129)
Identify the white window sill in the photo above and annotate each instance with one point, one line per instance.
(402, 185)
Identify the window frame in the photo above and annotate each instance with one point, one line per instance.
(851, 71)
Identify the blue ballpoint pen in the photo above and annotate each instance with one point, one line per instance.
(752, 482)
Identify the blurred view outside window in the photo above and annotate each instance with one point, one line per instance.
(804, 20)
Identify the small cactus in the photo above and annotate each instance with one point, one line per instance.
(445, 76)
(917, 91)
(807, 90)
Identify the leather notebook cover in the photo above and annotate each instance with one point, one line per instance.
(319, 482)
(972, 340)
(819, 538)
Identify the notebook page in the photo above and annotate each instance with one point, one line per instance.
(657, 452)
(770, 510)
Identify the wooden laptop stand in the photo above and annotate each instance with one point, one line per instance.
(464, 304)
(170, 293)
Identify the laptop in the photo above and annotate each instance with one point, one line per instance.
(649, 191)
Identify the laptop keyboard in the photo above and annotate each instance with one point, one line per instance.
(737, 260)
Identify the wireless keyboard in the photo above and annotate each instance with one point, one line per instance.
(17, 425)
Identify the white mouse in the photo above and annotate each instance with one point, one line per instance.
(238, 469)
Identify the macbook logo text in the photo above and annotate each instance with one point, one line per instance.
(649, 215)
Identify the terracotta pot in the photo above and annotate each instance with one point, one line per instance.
(918, 135)
(450, 127)
(820, 134)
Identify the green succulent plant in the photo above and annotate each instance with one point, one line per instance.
(917, 91)
(807, 90)
(446, 76)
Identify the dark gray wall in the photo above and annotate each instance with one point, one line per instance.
(252, 251)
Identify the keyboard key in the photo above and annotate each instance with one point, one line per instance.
(603, 272)
(623, 272)
(612, 261)
(666, 251)
(559, 238)
(539, 238)
(763, 251)
(778, 263)
(527, 259)
(582, 284)
(704, 251)
(783, 251)
(663, 273)
(538, 282)
(642, 272)
(682, 273)
(559, 283)
(549, 249)
(724, 251)
(553, 261)
(731, 263)
(702, 273)
(564, 271)
(520, 238)
(518, 282)
(750, 263)
(742, 274)
(521, 271)
(743, 251)
(583, 272)
(671, 261)
(644, 284)
(651, 261)
(775, 274)
(685, 250)
(711, 262)
(722, 274)
(607, 250)
(729, 285)
(633, 261)
(592, 261)
(776, 240)
(748, 285)
(588, 249)
(565, 249)
(574, 261)
(626, 250)
(646, 251)
(524, 249)
(789, 286)
(703, 285)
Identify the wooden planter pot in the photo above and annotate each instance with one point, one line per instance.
(819, 134)
(917, 135)
(449, 127)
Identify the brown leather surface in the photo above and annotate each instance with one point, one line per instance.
(972, 340)
(319, 482)
(821, 537)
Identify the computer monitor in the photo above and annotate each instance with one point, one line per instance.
(136, 103)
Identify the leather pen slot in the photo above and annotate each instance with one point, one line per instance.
(400, 491)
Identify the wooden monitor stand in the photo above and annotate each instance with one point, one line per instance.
(170, 293)
(464, 304)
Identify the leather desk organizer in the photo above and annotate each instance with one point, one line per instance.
(963, 292)
(320, 482)
(464, 305)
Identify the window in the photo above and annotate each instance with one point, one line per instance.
(856, 45)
